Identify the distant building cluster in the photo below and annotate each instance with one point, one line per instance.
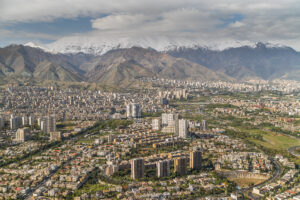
(163, 166)
(171, 123)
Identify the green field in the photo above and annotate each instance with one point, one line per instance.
(268, 141)
(277, 141)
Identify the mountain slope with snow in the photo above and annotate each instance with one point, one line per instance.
(99, 46)
(265, 61)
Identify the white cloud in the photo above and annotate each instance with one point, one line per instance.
(236, 24)
(118, 22)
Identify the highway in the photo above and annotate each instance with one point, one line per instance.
(276, 174)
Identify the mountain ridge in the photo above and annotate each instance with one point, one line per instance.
(87, 46)
(124, 66)
(131, 64)
(116, 67)
(261, 61)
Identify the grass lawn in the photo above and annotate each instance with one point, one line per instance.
(90, 189)
(277, 141)
(65, 126)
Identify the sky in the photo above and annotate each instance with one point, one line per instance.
(207, 22)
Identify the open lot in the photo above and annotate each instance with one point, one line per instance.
(246, 182)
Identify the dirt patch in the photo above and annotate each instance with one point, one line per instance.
(246, 182)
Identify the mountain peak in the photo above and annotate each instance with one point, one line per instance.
(33, 45)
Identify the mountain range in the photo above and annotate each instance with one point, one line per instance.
(261, 61)
(123, 66)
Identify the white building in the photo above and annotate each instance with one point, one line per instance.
(156, 124)
(25, 120)
(204, 125)
(48, 124)
(31, 120)
(167, 119)
(134, 110)
(15, 122)
(182, 128)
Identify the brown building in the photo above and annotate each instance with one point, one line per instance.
(195, 159)
(180, 166)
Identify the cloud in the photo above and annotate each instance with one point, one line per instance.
(236, 24)
(198, 20)
(118, 22)
(38, 10)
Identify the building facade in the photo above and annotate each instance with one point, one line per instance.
(133, 110)
(1, 122)
(182, 128)
(48, 124)
(15, 122)
(195, 160)
(180, 166)
(22, 134)
(55, 136)
(156, 124)
(137, 168)
(163, 168)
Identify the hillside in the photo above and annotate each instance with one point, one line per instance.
(124, 66)
(262, 61)
(21, 61)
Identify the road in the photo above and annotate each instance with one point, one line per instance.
(27, 196)
(293, 152)
(276, 174)
(40, 184)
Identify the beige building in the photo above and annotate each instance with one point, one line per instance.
(55, 136)
(156, 124)
(22, 134)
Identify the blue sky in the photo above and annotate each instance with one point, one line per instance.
(53, 29)
(58, 27)
(236, 17)
(46, 22)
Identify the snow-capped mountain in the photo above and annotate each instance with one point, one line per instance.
(33, 45)
(99, 46)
